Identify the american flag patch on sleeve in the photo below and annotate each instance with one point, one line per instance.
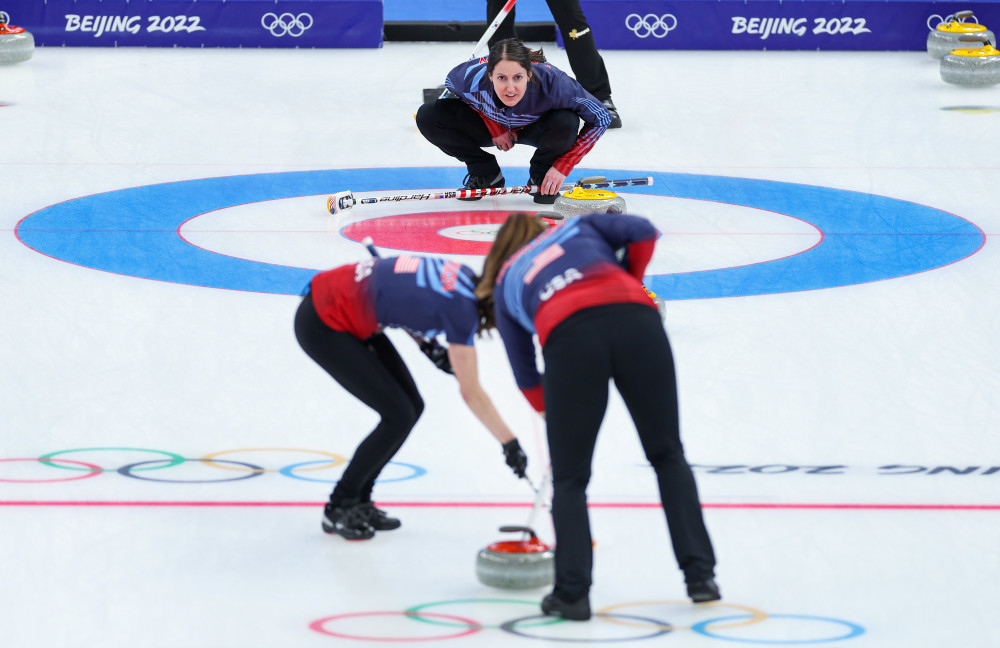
(406, 265)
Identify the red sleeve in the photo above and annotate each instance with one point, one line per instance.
(639, 254)
(494, 128)
(584, 142)
(536, 397)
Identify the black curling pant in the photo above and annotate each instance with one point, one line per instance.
(586, 62)
(372, 371)
(459, 131)
(625, 343)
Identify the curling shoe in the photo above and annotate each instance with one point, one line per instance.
(552, 605)
(616, 120)
(377, 518)
(482, 182)
(703, 591)
(542, 199)
(348, 520)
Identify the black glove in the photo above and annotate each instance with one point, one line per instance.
(516, 459)
(438, 355)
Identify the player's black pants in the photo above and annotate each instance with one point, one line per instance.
(625, 343)
(459, 131)
(586, 62)
(372, 371)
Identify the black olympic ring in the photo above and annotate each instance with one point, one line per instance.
(286, 23)
(254, 472)
(661, 629)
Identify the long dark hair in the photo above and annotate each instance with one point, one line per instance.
(516, 232)
(512, 49)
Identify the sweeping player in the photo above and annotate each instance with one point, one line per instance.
(594, 323)
(340, 325)
(514, 96)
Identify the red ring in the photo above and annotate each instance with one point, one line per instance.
(95, 470)
(473, 628)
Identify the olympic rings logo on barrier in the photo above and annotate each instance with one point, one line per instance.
(286, 23)
(651, 25)
(788, 628)
(245, 470)
(934, 20)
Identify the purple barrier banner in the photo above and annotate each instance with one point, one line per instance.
(200, 23)
(777, 25)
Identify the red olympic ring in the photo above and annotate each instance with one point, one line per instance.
(471, 626)
(94, 471)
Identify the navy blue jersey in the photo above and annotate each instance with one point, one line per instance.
(565, 269)
(428, 296)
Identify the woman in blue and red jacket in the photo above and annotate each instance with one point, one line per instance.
(514, 96)
(341, 324)
(594, 323)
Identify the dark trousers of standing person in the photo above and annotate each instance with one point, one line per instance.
(459, 131)
(625, 343)
(586, 62)
(374, 373)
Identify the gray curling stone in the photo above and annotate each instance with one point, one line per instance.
(16, 44)
(972, 66)
(516, 564)
(579, 201)
(947, 35)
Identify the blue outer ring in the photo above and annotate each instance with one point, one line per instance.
(135, 231)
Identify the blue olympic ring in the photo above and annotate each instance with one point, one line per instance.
(853, 629)
(134, 231)
(288, 471)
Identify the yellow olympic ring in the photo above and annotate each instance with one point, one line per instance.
(756, 616)
(337, 459)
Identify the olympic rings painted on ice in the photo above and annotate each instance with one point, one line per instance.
(171, 459)
(288, 471)
(471, 627)
(708, 628)
(853, 630)
(755, 616)
(94, 471)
